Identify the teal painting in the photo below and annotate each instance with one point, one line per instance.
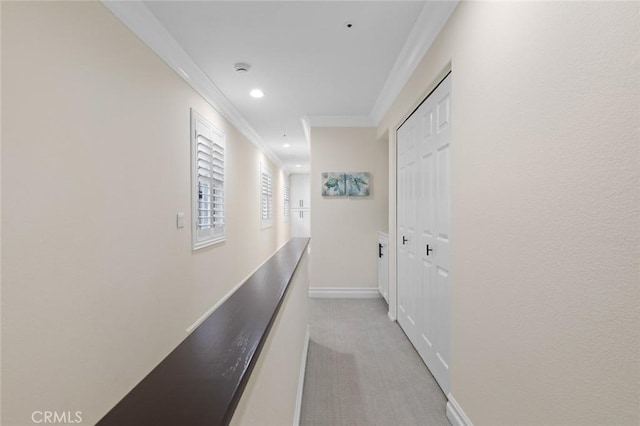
(333, 184)
(357, 184)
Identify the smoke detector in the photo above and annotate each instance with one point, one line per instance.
(242, 68)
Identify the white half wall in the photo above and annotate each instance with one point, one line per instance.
(344, 230)
(545, 208)
(98, 284)
(271, 394)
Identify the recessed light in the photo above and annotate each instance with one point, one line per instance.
(286, 145)
(298, 166)
(257, 93)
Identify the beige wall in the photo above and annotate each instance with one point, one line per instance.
(344, 229)
(1, 302)
(98, 285)
(545, 208)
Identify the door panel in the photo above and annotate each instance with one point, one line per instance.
(407, 216)
(401, 194)
(427, 223)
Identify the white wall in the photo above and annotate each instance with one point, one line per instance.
(545, 208)
(98, 285)
(344, 229)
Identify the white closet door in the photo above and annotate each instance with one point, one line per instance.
(300, 222)
(300, 191)
(407, 217)
(426, 275)
(427, 212)
(434, 207)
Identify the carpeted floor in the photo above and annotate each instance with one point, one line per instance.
(362, 370)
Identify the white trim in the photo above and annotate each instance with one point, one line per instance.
(303, 370)
(344, 292)
(307, 130)
(455, 414)
(139, 19)
(430, 22)
(340, 121)
(209, 311)
(392, 317)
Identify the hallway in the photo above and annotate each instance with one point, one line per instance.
(151, 160)
(362, 370)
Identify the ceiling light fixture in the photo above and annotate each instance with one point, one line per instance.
(242, 68)
(257, 93)
(286, 145)
(298, 166)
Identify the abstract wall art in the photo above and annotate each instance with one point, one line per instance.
(338, 184)
(333, 184)
(357, 184)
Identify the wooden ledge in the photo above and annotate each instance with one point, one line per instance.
(201, 381)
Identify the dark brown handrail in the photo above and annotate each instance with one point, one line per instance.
(201, 381)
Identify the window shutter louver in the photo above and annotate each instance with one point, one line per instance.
(210, 182)
(266, 196)
(209, 174)
(285, 196)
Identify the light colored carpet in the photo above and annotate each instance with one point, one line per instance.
(362, 370)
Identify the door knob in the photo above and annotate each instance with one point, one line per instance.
(429, 250)
(404, 240)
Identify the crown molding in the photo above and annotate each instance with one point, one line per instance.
(139, 19)
(306, 127)
(427, 27)
(340, 121)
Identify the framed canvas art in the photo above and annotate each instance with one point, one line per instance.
(333, 184)
(357, 184)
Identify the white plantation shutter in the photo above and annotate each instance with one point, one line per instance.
(208, 151)
(266, 196)
(210, 182)
(285, 197)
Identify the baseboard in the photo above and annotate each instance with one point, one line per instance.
(455, 414)
(344, 292)
(303, 370)
(391, 316)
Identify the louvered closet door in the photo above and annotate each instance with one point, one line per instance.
(431, 286)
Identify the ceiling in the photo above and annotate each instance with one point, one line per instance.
(319, 62)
